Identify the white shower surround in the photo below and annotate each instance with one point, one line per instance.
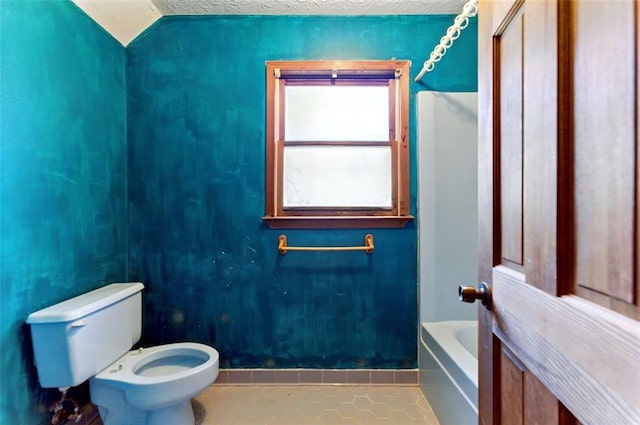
(126, 19)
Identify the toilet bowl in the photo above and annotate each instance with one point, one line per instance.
(89, 337)
(154, 385)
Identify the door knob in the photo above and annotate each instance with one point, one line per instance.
(469, 294)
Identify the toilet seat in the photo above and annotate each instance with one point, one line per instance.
(155, 377)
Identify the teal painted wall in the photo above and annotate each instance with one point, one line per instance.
(190, 148)
(63, 202)
(196, 113)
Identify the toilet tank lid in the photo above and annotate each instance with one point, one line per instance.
(85, 304)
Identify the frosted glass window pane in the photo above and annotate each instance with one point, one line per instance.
(349, 113)
(333, 176)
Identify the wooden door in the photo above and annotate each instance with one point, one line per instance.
(559, 202)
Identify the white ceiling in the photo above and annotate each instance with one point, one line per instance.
(308, 7)
(126, 19)
(123, 19)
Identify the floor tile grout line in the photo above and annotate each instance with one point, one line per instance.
(262, 405)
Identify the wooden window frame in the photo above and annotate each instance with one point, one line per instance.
(279, 73)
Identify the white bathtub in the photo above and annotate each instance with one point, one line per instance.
(448, 362)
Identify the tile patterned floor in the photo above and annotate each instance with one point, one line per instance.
(311, 405)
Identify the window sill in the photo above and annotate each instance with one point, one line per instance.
(338, 222)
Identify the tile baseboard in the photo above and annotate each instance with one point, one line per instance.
(403, 377)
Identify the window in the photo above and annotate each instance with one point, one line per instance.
(337, 144)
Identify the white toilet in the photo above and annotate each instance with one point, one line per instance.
(89, 337)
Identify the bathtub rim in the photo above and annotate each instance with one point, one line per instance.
(444, 334)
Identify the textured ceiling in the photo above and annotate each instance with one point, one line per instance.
(126, 19)
(309, 7)
(123, 19)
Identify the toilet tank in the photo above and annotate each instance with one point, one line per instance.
(78, 338)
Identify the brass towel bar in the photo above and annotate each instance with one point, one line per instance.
(368, 246)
